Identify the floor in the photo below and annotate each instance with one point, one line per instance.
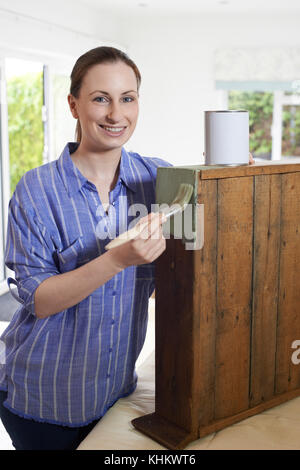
(8, 306)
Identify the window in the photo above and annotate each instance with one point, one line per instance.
(260, 107)
(291, 125)
(274, 116)
(24, 87)
(35, 125)
(2, 212)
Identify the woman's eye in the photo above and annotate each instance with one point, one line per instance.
(100, 99)
(104, 99)
(128, 99)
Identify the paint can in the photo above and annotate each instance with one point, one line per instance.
(227, 137)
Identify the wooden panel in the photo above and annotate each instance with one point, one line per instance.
(167, 185)
(205, 304)
(267, 195)
(174, 330)
(227, 315)
(234, 281)
(287, 373)
(164, 292)
(163, 431)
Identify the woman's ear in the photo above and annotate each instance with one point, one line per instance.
(72, 104)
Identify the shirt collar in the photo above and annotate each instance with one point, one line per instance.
(73, 179)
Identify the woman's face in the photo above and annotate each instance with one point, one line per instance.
(107, 106)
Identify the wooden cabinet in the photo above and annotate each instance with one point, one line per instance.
(228, 313)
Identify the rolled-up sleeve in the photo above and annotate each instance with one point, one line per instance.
(28, 251)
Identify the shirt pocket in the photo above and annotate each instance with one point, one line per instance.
(68, 258)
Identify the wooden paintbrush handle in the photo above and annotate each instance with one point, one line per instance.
(126, 236)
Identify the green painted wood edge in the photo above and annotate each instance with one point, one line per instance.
(206, 167)
(167, 184)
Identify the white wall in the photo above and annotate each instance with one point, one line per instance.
(53, 30)
(175, 56)
(176, 59)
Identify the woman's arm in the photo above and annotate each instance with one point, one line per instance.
(62, 291)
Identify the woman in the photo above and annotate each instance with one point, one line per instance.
(72, 345)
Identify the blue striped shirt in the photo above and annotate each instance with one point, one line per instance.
(70, 367)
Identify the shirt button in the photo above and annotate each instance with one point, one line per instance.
(114, 292)
(112, 322)
(110, 350)
(108, 375)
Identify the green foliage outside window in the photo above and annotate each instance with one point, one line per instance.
(291, 130)
(260, 107)
(25, 126)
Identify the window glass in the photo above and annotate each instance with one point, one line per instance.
(260, 107)
(291, 130)
(24, 82)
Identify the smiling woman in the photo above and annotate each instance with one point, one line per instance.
(72, 347)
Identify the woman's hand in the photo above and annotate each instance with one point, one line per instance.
(251, 159)
(145, 247)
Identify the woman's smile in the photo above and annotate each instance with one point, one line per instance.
(113, 131)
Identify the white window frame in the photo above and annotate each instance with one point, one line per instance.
(5, 173)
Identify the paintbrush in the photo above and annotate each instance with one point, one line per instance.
(178, 204)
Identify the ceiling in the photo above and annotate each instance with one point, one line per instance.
(194, 6)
